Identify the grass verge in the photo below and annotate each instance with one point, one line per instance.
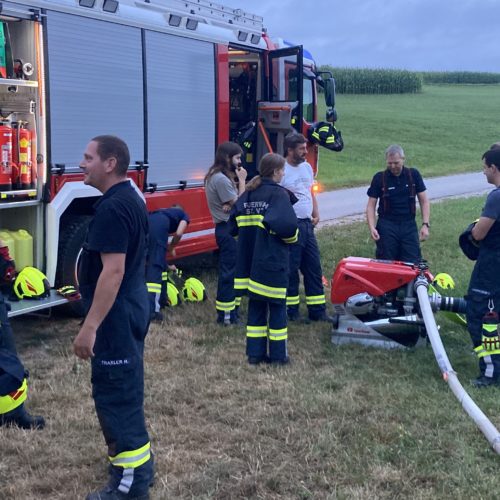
(444, 130)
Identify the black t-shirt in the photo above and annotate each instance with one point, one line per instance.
(120, 225)
(395, 204)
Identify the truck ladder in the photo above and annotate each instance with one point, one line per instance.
(211, 13)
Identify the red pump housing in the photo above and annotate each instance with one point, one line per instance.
(355, 275)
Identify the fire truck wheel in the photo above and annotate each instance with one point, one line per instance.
(70, 246)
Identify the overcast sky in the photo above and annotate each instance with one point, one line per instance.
(408, 34)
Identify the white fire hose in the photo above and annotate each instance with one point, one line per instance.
(449, 375)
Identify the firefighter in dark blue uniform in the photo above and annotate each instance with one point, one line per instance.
(395, 232)
(13, 376)
(161, 224)
(224, 182)
(265, 223)
(483, 295)
(113, 287)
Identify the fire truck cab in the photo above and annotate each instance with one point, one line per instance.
(173, 78)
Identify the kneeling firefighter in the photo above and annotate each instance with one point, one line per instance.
(13, 376)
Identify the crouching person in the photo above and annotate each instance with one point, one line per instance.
(13, 376)
(265, 223)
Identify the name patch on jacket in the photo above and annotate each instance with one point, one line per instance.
(255, 207)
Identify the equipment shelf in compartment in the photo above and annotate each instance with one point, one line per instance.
(18, 82)
(17, 195)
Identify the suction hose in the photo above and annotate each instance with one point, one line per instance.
(449, 375)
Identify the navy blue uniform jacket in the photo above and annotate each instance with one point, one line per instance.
(265, 223)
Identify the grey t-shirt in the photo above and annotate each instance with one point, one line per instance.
(219, 190)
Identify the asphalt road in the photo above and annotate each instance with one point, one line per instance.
(350, 202)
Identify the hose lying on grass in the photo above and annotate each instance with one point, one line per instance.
(449, 375)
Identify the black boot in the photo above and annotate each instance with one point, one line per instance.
(109, 493)
(22, 419)
(224, 318)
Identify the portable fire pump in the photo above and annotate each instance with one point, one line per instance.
(376, 304)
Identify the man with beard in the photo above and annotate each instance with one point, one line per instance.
(304, 255)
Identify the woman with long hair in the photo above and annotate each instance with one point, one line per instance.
(265, 223)
(224, 182)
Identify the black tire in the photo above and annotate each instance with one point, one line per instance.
(71, 240)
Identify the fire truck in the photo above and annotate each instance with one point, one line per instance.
(173, 78)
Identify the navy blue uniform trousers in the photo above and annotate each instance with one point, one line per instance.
(12, 371)
(398, 240)
(118, 388)
(225, 300)
(267, 335)
(304, 256)
(159, 229)
(483, 290)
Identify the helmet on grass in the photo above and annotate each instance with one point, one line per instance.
(173, 295)
(444, 281)
(193, 290)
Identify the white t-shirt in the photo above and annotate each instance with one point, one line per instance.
(299, 180)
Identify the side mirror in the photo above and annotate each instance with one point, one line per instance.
(331, 115)
(330, 92)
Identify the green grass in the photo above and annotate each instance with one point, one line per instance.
(339, 422)
(444, 130)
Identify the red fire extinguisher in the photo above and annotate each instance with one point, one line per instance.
(5, 157)
(34, 157)
(21, 153)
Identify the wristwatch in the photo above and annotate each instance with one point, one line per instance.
(426, 224)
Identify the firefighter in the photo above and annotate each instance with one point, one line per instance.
(161, 224)
(304, 255)
(395, 233)
(224, 182)
(265, 223)
(483, 295)
(113, 287)
(13, 376)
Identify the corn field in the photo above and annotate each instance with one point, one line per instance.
(432, 77)
(395, 81)
(375, 81)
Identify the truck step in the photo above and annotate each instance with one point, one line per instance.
(30, 306)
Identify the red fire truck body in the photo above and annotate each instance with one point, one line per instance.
(172, 78)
